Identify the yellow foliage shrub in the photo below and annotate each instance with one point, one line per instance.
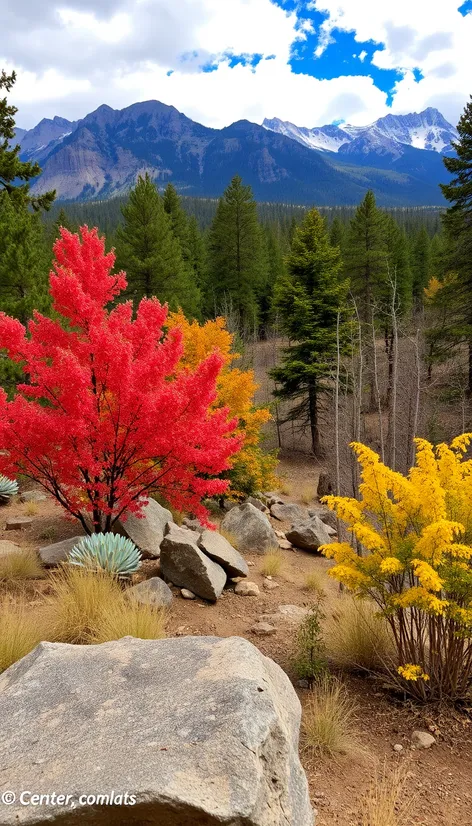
(252, 468)
(416, 538)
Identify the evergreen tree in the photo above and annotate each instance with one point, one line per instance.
(178, 219)
(337, 233)
(12, 169)
(309, 299)
(458, 225)
(197, 253)
(150, 253)
(366, 255)
(420, 264)
(237, 264)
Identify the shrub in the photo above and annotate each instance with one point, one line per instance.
(19, 566)
(359, 637)
(31, 509)
(107, 552)
(328, 722)
(77, 601)
(272, 563)
(20, 632)
(126, 617)
(415, 533)
(8, 488)
(108, 417)
(309, 661)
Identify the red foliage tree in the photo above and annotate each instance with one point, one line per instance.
(105, 419)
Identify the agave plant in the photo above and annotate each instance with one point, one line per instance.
(108, 552)
(8, 488)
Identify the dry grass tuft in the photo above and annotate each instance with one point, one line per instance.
(77, 602)
(230, 537)
(19, 566)
(47, 535)
(272, 563)
(329, 720)
(308, 494)
(315, 582)
(385, 803)
(129, 618)
(357, 637)
(20, 632)
(285, 487)
(31, 509)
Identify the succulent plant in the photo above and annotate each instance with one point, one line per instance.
(8, 488)
(108, 552)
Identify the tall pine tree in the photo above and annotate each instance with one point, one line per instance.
(237, 261)
(458, 225)
(308, 300)
(151, 254)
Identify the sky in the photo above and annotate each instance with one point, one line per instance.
(311, 62)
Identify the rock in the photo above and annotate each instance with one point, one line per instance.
(288, 513)
(326, 516)
(250, 564)
(261, 506)
(331, 531)
(263, 629)
(219, 549)
(7, 547)
(223, 750)
(251, 529)
(325, 485)
(398, 747)
(303, 684)
(186, 594)
(17, 523)
(285, 545)
(280, 534)
(309, 535)
(422, 740)
(187, 566)
(247, 589)
(152, 591)
(273, 498)
(58, 552)
(270, 585)
(292, 614)
(147, 531)
(193, 524)
(33, 496)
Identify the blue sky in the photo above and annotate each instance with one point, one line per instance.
(308, 61)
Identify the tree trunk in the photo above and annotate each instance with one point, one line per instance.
(314, 427)
(470, 368)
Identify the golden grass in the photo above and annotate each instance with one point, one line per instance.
(329, 722)
(315, 582)
(385, 803)
(357, 637)
(77, 602)
(285, 487)
(129, 618)
(31, 509)
(20, 632)
(19, 566)
(48, 535)
(272, 563)
(308, 494)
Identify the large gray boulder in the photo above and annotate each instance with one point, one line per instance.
(288, 512)
(219, 549)
(200, 731)
(146, 531)
(309, 535)
(153, 591)
(58, 552)
(250, 529)
(326, 516)
(187, 566)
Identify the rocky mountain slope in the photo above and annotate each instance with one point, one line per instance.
(101, 156)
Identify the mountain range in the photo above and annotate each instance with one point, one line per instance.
(101, 155)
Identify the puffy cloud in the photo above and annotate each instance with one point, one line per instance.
(73, 55)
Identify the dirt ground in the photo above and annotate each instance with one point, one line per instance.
(438, 790)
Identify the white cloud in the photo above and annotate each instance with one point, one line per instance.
(73, 55)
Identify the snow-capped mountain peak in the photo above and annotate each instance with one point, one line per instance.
(427, 130)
